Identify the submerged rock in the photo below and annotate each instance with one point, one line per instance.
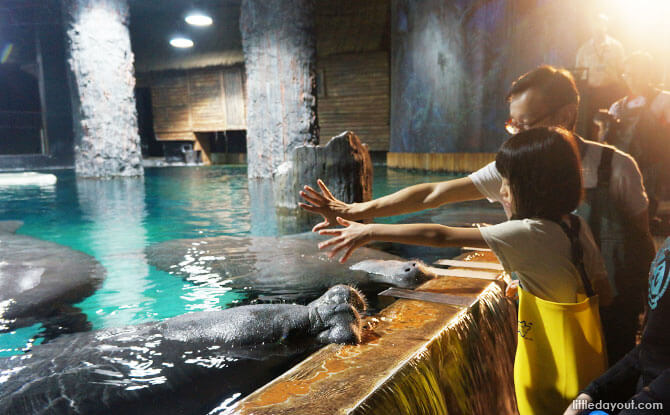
(38, 278)
(289, 268)
(186, 364)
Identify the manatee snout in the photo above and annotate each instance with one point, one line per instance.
(403, 274)
(340, 323)
(342, 294)
(335, 315)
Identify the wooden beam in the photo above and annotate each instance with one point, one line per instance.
(451, 162)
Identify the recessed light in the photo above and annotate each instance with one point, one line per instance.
(198, 19)
(181, 42)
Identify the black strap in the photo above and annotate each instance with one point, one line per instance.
(605, 167)
(572, 232)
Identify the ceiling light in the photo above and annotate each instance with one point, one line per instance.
(198, 19)
(181, 42)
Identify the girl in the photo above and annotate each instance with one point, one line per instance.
(550, 251)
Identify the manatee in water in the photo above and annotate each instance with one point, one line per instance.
(39, 279)
(186, 364)
(289, 268)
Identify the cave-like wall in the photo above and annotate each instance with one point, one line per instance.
(107, 142)
(453, 61)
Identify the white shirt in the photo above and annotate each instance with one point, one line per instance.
(660, 106)
(539, 253)
(604, 60)
(626, 188)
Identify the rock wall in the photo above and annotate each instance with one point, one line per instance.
(102, 85)
(280, 54)
(452, 63)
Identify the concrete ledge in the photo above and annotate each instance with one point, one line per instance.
(416, 357)
(450, 162)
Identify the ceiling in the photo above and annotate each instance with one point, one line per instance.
(342, 26)
(17, 13)
(154, 22)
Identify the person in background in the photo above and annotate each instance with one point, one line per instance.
(644, 125)
(551, 252)
(615, 206)
(648, 364)
(607, 127)
(602, 55)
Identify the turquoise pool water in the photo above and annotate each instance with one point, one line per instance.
(115, 220)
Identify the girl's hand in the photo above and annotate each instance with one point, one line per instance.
(352, 236)
(324, 204)
(512, 289)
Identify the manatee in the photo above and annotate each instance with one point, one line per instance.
(186, 364)
(288, 268)
(38, 279)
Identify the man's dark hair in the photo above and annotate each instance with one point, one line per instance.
(544, 172)
(556, 85)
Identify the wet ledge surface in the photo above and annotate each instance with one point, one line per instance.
(474, 344)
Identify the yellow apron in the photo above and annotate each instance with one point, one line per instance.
(560, 350)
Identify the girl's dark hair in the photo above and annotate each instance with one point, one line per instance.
(544, 172)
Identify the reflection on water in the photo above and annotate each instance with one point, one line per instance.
(261, 208)
(114, 221)
(115, 210)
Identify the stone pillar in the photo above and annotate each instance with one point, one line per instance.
(102, 85)
(280, 54)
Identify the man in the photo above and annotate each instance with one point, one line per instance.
(615, 206)
(644, 125)
(603, 56)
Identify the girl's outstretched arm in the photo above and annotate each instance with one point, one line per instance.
(354, 235)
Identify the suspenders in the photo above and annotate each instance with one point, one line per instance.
(572, 233)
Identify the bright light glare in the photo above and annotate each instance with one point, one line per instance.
(641, 12)
(181, 42)
(197, 19)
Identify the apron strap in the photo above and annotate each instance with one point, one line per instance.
(605, 167)
(572, 233)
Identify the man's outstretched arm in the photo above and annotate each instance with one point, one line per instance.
(407, 200)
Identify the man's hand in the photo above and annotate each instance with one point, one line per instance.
(324, 204)
(352, 236)
(575, 407)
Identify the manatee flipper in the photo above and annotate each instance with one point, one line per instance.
(66, 319)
